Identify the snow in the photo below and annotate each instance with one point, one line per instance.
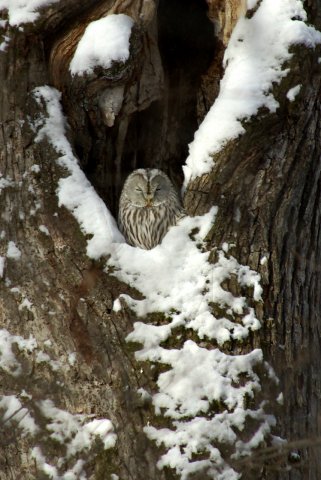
(15, 412)
(5, 182)
(74, 473)
(251, 4)
(15, 290)
(2, 264)
(8, 361)
(35, 168)
(74, 191)
(77, 433)
(44, 230)
(13, 251)
(184, 285)
(105, 41)
(75, 430)
(43, 357)
(3, 47)
(199, 377)
(72, 358)
(293, 92)
(179, 282)
(144, 395)
(263, 260)
(42, 465)
(253, 61)
(25, 304)
(23, 11)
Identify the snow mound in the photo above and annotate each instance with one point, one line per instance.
(105, 41)
(23, 11)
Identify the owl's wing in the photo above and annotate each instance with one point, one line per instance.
(180, 214)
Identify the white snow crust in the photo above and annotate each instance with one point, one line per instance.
(2, 265)
(14, 412)
(293, 92)
(8, 361)
(44, 230)
(253, 62)
(251, 4)
(105, 41)
(5, 182)
(74, 191)
(25, 304)
(75, 430)
(23, 11)
(13, 251)
(78, 433)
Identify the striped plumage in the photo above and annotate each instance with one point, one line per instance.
(148, 206)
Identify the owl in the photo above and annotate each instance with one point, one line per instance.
(148, 206)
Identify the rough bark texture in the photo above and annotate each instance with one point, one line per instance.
(225, 15)
(266, 184)
(267, 187)
(71, 297)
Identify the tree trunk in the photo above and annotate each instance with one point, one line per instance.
(266, 184)
(70, 296)
(267, 187)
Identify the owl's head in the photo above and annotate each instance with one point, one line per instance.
(147, 188)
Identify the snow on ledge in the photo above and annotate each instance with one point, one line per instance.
(293, 92)
(8, 361)
(253, 62)
(105, 41)
(74, 191)
(24, 11)
(13, 251)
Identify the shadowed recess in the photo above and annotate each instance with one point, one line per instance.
(159, 136)
(156, 136)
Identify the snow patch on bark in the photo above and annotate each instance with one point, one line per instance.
(14, 412)
(77, 433)
(13, 251)
(104, 41)
(74, 191)
(8, 361)
(253, 61)
(2, 265)
(293, 92)
(23, 11)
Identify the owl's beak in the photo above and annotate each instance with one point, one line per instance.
(149, 201)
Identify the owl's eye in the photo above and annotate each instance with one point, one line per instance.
(158, 189)
(138, 189)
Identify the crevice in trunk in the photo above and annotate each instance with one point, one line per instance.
(157, 136)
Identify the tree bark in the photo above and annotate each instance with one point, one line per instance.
(71, 297)
(266, 185)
